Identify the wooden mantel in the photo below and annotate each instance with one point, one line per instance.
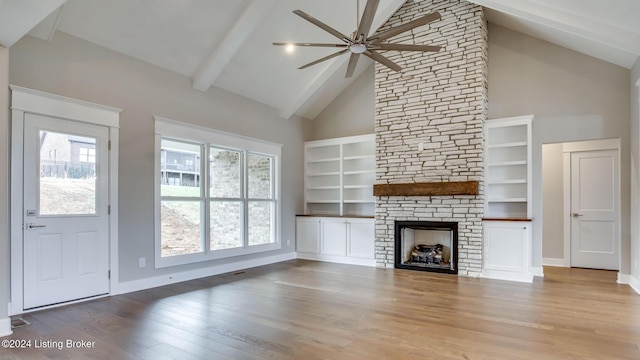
(427, 189)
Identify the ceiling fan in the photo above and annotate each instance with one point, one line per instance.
(361, 43)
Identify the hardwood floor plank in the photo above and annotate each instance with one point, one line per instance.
(312, 310)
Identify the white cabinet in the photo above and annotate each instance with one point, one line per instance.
(508, 168)
(361, 237)
(308, 235)
(507, 250)
(334, 236)
(339, 176)
(507, 217)
(336, 239)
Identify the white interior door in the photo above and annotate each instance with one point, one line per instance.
(595, 216)
(66, 224)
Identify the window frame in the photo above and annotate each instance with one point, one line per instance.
(207, 138)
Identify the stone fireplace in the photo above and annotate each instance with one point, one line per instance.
(430, 121)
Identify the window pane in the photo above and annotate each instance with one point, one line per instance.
(67, 183)
(180, 227)
(259, 176)
(179, 168)
(226, 225)
(224, 170)
(260, 222)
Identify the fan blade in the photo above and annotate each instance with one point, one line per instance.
(323, 59)
(310, 44)
(367, 19)
(382, 60)
(403, 28)
(323, 26)
(406, 47)
(353, 60)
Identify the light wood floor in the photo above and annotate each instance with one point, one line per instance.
(312, 310)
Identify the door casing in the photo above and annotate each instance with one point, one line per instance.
(578, 146)
(29, 101)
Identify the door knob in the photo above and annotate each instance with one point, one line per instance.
(576, 214)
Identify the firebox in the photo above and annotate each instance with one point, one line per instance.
(426, 246)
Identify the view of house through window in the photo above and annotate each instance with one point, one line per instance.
(67, 180)
(228, 204)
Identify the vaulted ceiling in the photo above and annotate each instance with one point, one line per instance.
(227, 44)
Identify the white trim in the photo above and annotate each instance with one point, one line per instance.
(40, 102)
(566, 207)
(5, 327)
(505, 275)
(341, 140)
(172, 278)
(337, 259)
(537, 271)
(23, 101)
(633, 282)
(577, 146)
(172, 129)
(189, 132)
(554, 262)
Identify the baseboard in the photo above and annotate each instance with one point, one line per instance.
(506, 275)
(635, 284)
(554, 262)
(5, 327)
(537, 271)
(148, 283)
(627, 279)
(337, 259)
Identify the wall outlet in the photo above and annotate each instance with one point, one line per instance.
(142, 262)
(288, 242)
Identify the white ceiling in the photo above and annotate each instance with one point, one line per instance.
(227, 44)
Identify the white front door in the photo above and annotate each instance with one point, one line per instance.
(66, 221)
(595, 217)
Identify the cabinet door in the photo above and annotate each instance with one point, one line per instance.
(334, 237)
(506, 246)
(308, 235)
(361, 238)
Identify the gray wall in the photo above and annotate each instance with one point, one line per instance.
(75, 68)
(4, 181)
(635, 172)
(552, 201)
(574, 97)
(351, 113)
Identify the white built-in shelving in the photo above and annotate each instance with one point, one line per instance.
(507, 218)
(339, 176)
(508, 173)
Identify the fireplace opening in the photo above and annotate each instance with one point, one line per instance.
(426, 246)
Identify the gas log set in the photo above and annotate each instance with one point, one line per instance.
(428, 255)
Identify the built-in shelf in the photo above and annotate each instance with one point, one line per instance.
(508, 163)
(507, 200)
(508, 168)
(340, 172)
(504, 145)
(504, 182)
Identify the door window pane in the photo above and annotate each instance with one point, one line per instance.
(180, 227)
(179, 168)
(224, 170)
(259, 176)
(226, 225)
(260, 222)
(67, 184)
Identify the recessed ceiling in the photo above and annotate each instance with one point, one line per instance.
(227, 44)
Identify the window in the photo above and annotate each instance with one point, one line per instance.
(225, 205)
(87, 155)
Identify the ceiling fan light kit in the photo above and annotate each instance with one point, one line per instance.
(360, 43)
